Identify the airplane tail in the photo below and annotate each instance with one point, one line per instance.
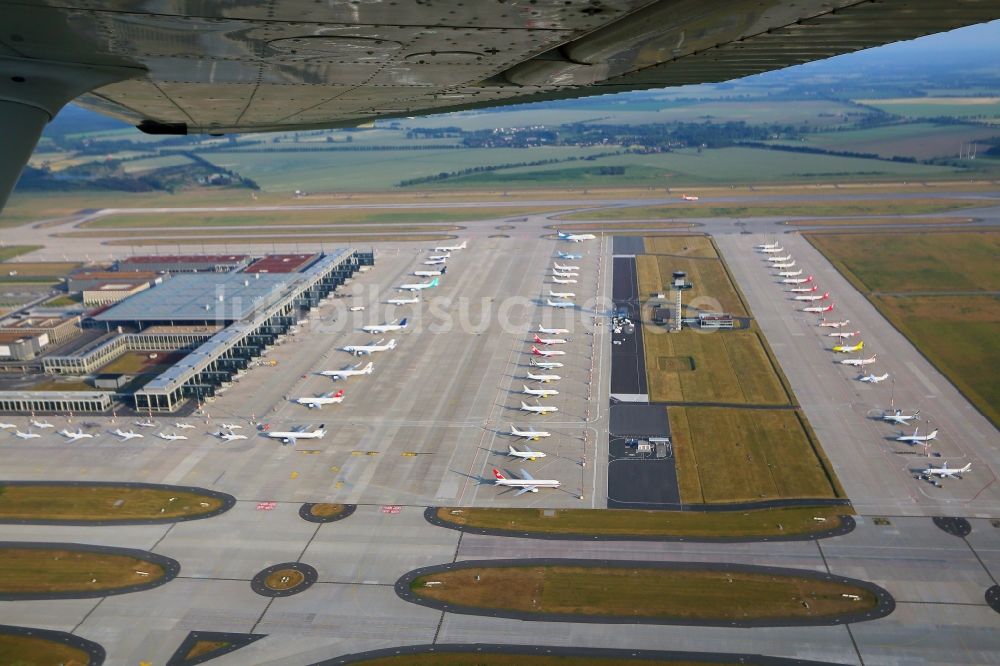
(444, 269)
(368, 368)
(338, 394)
(524, 405)
(402, 324)
(392, 343)
(861, 345)
(538, 339)
(434, 282)
(498, 475)
(826, 294)
(463, 245)
(511, 450)
(534, 350)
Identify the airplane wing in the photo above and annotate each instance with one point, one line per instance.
(525, 476)
(247, 66)
(526, 489)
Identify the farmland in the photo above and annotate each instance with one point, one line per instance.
(917, 140)
(933, 107)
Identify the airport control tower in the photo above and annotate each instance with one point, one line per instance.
(679, 285)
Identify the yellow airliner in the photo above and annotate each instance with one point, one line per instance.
(845, 349)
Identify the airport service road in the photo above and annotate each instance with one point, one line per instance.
(874, 470)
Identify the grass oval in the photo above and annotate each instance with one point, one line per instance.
(326, 510)
(106, 503)
(40, 651)
(284, 579)
(653, 592)
(63, 571)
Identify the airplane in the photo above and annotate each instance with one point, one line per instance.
(75, 436)
(779, 260)
(148, 423)
(418, 286)
(527, 483)
(451, 248)
(802, 290)
(797, 280)
(440, 271)
(183, 426)
(561, 294)
(293, 436)
(566, 268)
(559, 280)
(872, 378)
(543, 378)
(916, 438)
(171, 437)
(552, 331)
(403, 301)
(229, 436)
(7, 426)
(532, 434)
(843, 334)
(834, 324)
(784, 265)
(899, 418)
(564, 274)
(440, 257)
(26, 435)
(819, 309)
(349, 371)
(790, 273)
(366, 350)
(549, 341)
(546, 352)
(859, 361)
(41, 424)
(576, 238)
(773, 249)
(844, 349)
(540, 393)
(561, 304)
(436, 262)
(765, 246)
(230, 426)
(823, 297)
(317, 402)
(385, 328)
(545, 365)
(567, 255)
(943, 471)
(538, 409)
(527, 454)
(127, 435)
(689, 197)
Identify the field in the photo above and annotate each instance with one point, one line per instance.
(712, 289)
(134, 362)
(668, 524)
(662, 593)
(918, 140)
(770, 455)
(933, 107)
(950, 310)
(880, 221)
(57, 570)
(9, 252)
(38, 269)
(17, 650)
(230, 242)
(99, 503)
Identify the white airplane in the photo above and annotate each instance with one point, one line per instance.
(365, 350)
(567, 255)
(843, 334)
(75, 436)
(403, 301)
(802, 290)
(859, 361)
(834, 324)
(540, 393)
(317, 402)
(560, 304)
(559, 280)
(547, 352)
(815, 297)
(564, 274)
(7, 426)
(549, 341)
(418, 285)
(561, 294)
(847, 349)
(527, 454)
(766, 246)
(774, 260)
(566, 268)
(943, 471)
(440, 257)
(385, 328)
(899, 418)
(552, 331)
(545, 365)
(527, 483)
(127, 435)
(439, 271)
(349, 371)
(689, 197)
(532, 434)
(230, 426)
(872, 378)
(543, 378)
(575, 238)
(148, 423)
(771, 249)
(917, 438)
(171, 437)
(229, 436)
(293, 436)
(538, 409)
(41, 424)
(436, 262)
(789, 274)
(784, 265)
(804, 280)
(26, 435)
(451, 248)
(183, 426)
(819, 309)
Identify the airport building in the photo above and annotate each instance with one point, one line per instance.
(55, 329)
(106, 293)
(194, 263)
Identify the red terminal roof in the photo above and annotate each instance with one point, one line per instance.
(281, 263)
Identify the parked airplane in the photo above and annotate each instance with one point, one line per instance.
(366, 350)
(527, 483)
(538, 409)
(543, 378)
(230, 426)
(385, 328)
(774, 260)
(229, 436)
(446, 255)
(75, 436)
(403, 301)
(331, 398)
(183, 426)
(566, 268)
(418, 285)
(802, 290)
(765, 246)
(435, 262)
(552, 331)
(531, 434)
(540, 393)
(26, 435)
(790, 274)
(872, 378)
(545, 365)
(349, 371)
(859, 361)
(564, 274)
(293, 436)
(7, 426)
(575, 238)
(784, 264)
(899, 418)
(561, 304)
(817, 308)
(689, 197)
(917, 438)
(943, 471)
(148, 423)
(822, 297)
(549, 341)
(834, 324)
(770, 249)
(567, 255)
(804, 280)
(561, 294)
(439, 271)
(559, 280)
(546, 352)
(843, 334)
(451, 248)
(41, 424)
(127, 435)
(845, 349)
(527, 454)
(171, 437)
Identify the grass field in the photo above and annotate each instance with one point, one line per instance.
(325, 510)
(99, 502)
(135, 363)
(16, 650)
(269, 240)
(57, 570)
(918, 140)
(39, 269)
(712, 290)
(734, 455)
(665, 593)
(668, 524)
(933, 107)
(880, 221)
(10, 251)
